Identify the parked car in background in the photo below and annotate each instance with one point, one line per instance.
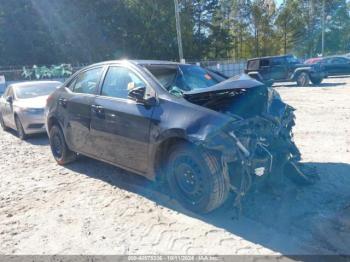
(204, 134)
(336, 65)
(284, 68)
(311, 61)
(22, 106)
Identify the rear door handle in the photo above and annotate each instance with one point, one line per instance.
(62, 102)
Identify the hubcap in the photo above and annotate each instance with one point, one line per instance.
(189, 178)
(19, 128)
(57, 146)
(303, 79)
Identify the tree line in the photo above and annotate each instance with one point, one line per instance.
(80, 31)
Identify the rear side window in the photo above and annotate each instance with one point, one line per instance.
(87, 81)
(253, 65)
(119, 81)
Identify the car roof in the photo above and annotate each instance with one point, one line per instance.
(336, 56)
(136, 62)
(269, 57)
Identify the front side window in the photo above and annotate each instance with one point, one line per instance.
(278, 61)
(292, 60)
(87, 81)
(119, 81)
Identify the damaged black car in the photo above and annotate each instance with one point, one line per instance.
(204, 134)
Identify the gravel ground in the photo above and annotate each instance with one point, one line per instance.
(90, 207)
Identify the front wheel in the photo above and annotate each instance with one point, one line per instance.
(59, 148)
(316, 80)
(196, 179)
(20, 131)
(303, 79)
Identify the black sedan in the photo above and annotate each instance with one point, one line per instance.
(203, 134)
(336, 65)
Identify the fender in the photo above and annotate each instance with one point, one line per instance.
(299, 70)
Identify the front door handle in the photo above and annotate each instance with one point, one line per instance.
(97, 109)
(62, 102)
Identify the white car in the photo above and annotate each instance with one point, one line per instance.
(22, 106)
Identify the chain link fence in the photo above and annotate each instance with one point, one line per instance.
(228, 67)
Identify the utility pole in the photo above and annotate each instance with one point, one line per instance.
(178, 31)
(323, 24)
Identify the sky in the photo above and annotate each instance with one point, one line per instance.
(278, 2)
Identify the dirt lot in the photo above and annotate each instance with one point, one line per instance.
(90, 207)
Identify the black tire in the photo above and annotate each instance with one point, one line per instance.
(2, 123)
(303, 79)
(60, 151)
(196, 179)
(316, 80)
(19, 127)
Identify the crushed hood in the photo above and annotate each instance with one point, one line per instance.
(37, 102)
(233, 83)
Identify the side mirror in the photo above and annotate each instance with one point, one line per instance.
(137, 93)
(9, 99)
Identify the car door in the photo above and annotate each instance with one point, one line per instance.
(74, 109)
(265, 68)
(341, 65)
(120, 127)
(279, 70)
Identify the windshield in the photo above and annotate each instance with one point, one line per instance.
(31, 91)
(181, 78)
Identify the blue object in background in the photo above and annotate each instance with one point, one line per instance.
(2, 84)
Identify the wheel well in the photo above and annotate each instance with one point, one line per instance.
(297, 74)
(162, 153)
(51, 122)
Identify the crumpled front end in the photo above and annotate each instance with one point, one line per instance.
(257, 145)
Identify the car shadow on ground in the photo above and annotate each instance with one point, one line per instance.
(40, 139)
(320, 85)
(291, 220)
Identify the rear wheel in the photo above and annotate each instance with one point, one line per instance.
(2, 123)
(59, 148)
(303, 79)
(20, 131)
(196, 179)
